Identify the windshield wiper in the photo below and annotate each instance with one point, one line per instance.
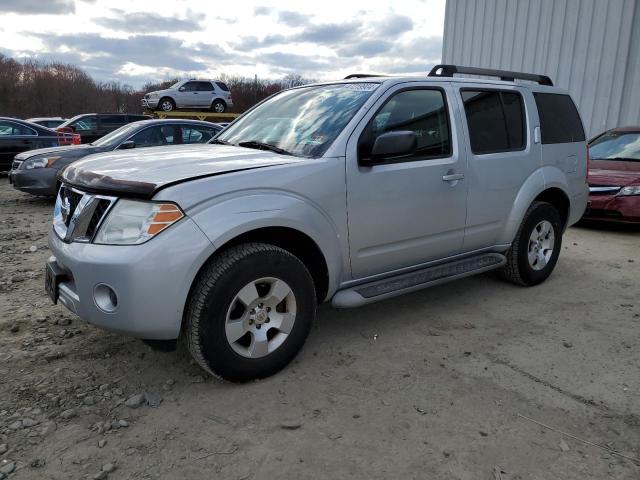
(215, 141)
(264, 146)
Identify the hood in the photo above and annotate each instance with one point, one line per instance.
(613, 172)
(159, 92)
(141, 173)
(65, 151)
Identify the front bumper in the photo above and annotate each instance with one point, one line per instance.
(613, 208)
(151, 280)
(150, 103)
(37, 181)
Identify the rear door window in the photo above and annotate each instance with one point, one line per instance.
(204, 86)
(559, 118)
(111, 122)
(495, 120)
(86, 124)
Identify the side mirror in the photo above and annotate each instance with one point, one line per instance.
(127, 145)
(392, 145)
(181, 89)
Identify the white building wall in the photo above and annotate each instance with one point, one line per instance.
(589, 47)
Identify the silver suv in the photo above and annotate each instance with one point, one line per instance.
(200, 94)
(350, 192)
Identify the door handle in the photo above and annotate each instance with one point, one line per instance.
(452, 177)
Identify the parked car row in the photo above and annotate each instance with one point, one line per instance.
(36, 171)
(17, 136)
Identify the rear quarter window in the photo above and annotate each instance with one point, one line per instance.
(559, 118)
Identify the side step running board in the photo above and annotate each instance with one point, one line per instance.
(417, 280)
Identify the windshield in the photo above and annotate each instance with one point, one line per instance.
(302, 121)
(616, 146)
(114, 138)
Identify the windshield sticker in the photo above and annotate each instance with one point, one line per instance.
(365, 87)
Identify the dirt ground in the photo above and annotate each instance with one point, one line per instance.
(441, 384)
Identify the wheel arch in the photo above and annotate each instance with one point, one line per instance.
(220, 99)
(290, 239)
(537, 188)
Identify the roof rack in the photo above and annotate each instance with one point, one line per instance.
(361, 75)
(507, 76)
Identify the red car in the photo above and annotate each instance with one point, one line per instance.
(614, 176)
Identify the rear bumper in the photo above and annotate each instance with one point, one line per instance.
(613, 208)
(151, 281)
(39, 181)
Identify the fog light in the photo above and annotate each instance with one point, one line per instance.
(105, 298)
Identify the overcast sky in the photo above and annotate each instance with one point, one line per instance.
(135, 41)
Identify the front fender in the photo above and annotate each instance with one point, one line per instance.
(224, 219)
(542, 179)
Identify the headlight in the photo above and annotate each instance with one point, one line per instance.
(131, 222)
(630, 190)
(43, 162)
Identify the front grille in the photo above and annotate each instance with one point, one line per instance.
(96, 218)
(77, 215)
(72, 199)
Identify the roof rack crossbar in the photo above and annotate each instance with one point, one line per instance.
(361, 75)
(507, 76)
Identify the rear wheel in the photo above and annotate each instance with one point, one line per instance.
(535, 250)
(218, 106)
(250, 312)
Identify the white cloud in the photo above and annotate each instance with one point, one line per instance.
(150, 40)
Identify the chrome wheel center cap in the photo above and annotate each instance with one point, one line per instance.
(260, 316)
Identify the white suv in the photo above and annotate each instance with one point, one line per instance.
(209, 94)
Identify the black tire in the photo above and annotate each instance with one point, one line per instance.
(218, 106)
(518, 269)
(211, 298)
(169, 102)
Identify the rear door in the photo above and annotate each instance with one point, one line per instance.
(14, 138)
(410, 210)
(109, 123)
(501, 155)
(205, 94)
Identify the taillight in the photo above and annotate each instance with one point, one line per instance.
(586, 178)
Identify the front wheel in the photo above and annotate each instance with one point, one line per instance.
(535, 250)
(250, 312)
(167, 105)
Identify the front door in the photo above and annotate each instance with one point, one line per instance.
(187, 94)
(407, 211)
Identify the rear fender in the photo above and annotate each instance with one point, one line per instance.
(539, 181)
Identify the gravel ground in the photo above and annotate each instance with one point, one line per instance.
(441, 384)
